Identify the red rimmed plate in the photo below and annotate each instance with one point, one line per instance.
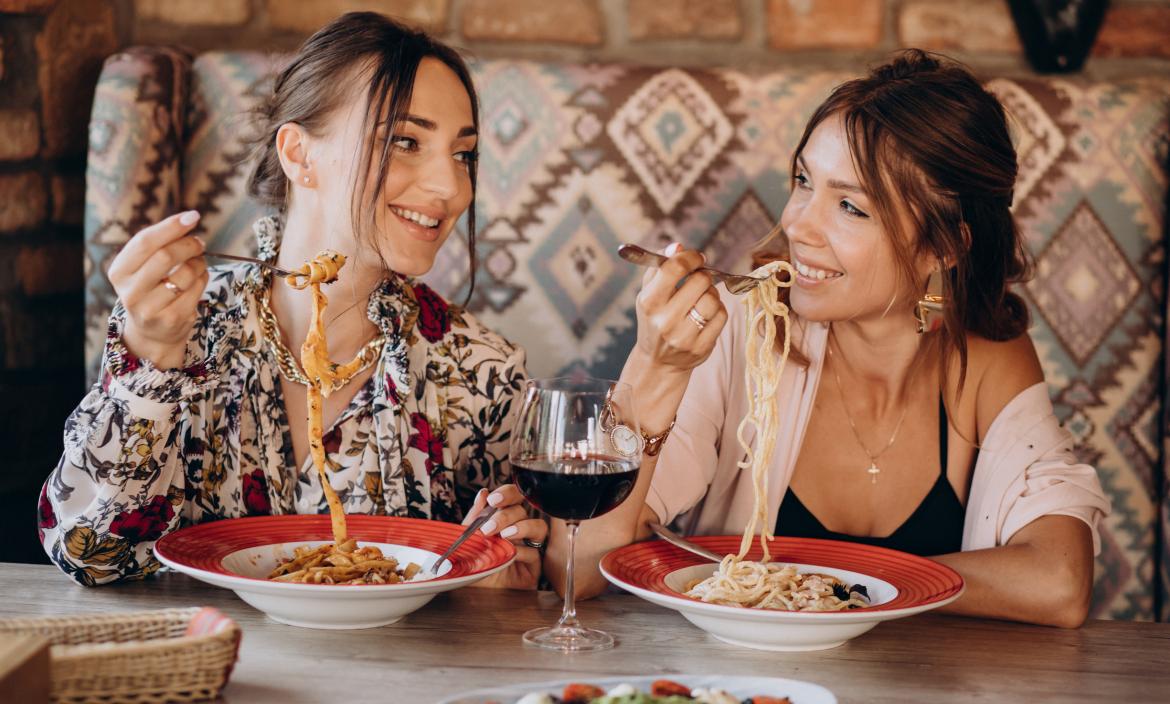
(239, 553)
(899, 585)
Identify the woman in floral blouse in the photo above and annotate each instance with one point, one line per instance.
(368, 148)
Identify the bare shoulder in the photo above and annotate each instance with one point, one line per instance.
(997, 372)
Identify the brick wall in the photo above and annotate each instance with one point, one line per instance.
(744, 33)
(51, 52)
(50, 55)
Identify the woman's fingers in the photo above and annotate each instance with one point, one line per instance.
(477, 507)
(533, 529)
(178, 285)
(184, 309)
(143, 245)
(697, 287)
(662, 286)
(530, 562)
(505, 495)
(158, 269)
(504, 518)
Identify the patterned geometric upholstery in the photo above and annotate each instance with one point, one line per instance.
(577, 159)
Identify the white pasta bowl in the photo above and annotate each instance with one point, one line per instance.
(898, 584)
(239, 553)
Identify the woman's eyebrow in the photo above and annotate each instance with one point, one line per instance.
(835, 183)
(431, 125)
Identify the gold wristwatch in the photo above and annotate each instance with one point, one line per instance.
(654, 443)
(625, 440)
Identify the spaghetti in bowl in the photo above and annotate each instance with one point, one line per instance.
(898, 585)
(240, 554)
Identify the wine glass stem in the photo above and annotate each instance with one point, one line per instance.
(569, 613)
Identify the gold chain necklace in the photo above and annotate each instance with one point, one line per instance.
(287, 363)
(873, 468)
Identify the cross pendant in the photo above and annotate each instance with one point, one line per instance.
(873, 472)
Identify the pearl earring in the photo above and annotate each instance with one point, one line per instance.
(306, 179)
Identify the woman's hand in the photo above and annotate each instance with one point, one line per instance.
(159, 276)
(512, 523)
(678, 324)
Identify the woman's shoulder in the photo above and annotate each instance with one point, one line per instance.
(997, 372)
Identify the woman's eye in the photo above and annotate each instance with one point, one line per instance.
(467, 157)
(801, 180)
(852, 210)
(406, 144)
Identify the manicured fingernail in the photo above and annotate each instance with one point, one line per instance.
(488, 527)
(189, 218)
(509, 532)
(704, 256)
(495, 498)
(673, 249)
(202, 243)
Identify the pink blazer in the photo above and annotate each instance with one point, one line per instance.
(1026, 467)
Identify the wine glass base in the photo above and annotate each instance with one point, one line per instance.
(569, 639)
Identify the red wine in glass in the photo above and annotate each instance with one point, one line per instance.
(575, 488)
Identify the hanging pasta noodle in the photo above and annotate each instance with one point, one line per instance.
(740, 582)
(321, 372)
(342, 562)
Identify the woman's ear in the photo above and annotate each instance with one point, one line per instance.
(293, 149)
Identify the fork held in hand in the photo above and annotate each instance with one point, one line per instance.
(735, 283)
(475, 525)
(250, 260)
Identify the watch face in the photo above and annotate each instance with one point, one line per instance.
(626, 441)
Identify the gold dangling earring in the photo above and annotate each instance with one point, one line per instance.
(929, 309)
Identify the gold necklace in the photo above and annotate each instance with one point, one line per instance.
(873, 468)
(287, 363)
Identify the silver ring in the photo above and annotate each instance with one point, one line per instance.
(171, 286)
(533, 544)
(697, 318)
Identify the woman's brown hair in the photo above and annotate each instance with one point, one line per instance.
(316, 80)
(922, 131)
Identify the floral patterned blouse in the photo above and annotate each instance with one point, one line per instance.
(150, 450)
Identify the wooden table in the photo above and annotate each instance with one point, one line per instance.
(470, 638)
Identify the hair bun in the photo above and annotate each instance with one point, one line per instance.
(906, 64)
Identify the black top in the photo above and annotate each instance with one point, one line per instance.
(935, 527)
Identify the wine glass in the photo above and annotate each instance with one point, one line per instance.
(575, 452)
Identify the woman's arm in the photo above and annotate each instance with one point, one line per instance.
(1043, 575)
(670, 346)
(119, 485)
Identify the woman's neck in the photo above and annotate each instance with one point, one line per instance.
(346, 323)
(878, 360)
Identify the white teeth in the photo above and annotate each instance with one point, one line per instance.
(414, 216)
(811, 273)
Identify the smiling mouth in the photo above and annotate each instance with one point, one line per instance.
(812, 273)
(415, 217)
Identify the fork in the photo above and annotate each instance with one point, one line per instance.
(475, 525)
(678, 541)
(251, 260)
(735, 283)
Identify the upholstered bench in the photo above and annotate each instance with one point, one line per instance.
(576, 159)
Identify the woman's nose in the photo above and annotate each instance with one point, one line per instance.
(440, 177)
(803, 224)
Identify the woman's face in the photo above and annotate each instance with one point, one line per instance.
(428, 184)
(846, 268)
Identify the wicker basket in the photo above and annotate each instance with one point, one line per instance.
(143, 657)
